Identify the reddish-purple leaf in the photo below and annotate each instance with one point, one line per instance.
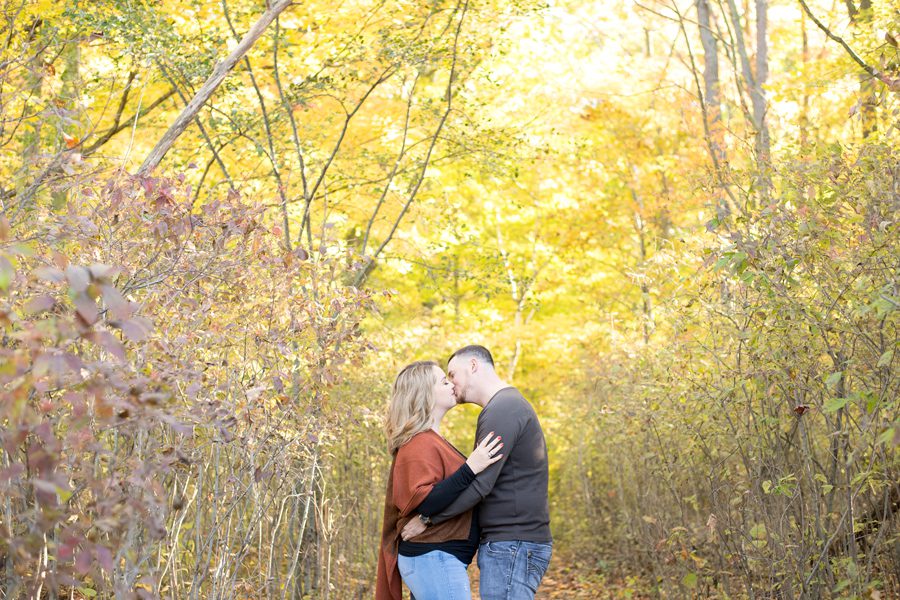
(45, 431)
(83, 562)
(48, 363)
(104, 557)
(110, 343)
(118, 305)
(45, 492)
(12, 472)
(73, 361)
(78, 277)
(86, 308)
(50, 274)
(38, 305)
(66, 550)
(136, 329)
(102, 272)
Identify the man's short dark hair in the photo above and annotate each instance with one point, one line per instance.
(479, 352)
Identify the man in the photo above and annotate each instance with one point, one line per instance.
(514, 510)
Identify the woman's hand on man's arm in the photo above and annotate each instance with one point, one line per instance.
(485, 454)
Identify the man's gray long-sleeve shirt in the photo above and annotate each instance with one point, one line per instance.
(513, 491)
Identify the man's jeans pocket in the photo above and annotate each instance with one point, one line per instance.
(512, 570)
(537, 559)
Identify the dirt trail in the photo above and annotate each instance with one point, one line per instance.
(564, 582)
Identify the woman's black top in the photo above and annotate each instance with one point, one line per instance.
(441, 496)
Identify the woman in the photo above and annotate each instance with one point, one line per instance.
(427, 474)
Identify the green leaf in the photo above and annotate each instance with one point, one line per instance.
(690, 580)
(766, 486)
(88, 592)
(63, 494)
(886, 358)
(871, 403)
(22, 249)
(832, 380)
(835, 404)
(887, 436)
(758, 531)
(7, 273)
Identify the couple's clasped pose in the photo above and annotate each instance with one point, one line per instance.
(441, 507)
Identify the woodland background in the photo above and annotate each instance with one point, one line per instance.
(675, 222)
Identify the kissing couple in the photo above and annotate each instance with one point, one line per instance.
(441, 507)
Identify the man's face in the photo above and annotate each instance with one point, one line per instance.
(458, 374)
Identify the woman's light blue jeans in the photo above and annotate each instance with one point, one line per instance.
(435, 575)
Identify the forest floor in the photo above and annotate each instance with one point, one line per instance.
(564, 580)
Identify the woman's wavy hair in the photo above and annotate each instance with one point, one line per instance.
(412, 403)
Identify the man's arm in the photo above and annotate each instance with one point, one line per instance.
(470, 496)
(441, 496)
(484, 482)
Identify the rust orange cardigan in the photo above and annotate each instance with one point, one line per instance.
(419, 464)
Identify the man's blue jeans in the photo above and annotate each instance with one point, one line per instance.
(435, 575)
(512, 570)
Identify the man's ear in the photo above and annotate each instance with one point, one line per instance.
(474, 364)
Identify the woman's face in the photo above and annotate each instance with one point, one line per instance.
(443, 391)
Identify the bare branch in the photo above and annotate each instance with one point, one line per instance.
(393, 173)
(448, 95)
(212, 83)
(267, 123)
(123, 124)
(892, 84)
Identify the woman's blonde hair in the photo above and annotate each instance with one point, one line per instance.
(412, 403)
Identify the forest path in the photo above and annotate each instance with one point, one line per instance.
(567, 581)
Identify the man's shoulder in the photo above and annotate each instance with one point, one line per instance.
(509, 395)
(506, 402)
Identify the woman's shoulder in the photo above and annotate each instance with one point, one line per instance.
(421, 442)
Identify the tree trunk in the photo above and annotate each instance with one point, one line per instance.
(754, 84)
(712, 100)
(868, 109)
(804, 113)
(710, 65)
(757, 92)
